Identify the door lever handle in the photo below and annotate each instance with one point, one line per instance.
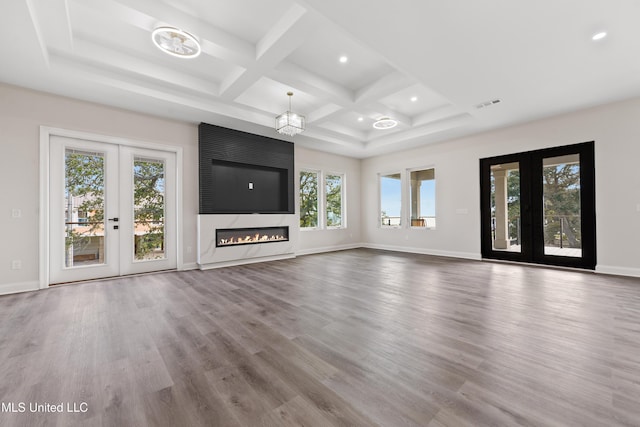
(113, 219)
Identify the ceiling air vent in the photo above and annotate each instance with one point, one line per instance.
(488, 104)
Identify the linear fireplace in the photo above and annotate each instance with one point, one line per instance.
(251, 236)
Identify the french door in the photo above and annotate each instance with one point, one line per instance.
(112, 210)
(539, 206)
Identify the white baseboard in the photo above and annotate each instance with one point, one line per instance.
(311, 251)
(618, 271)
(245, 261)
(464, 255)
(12, 288)
(188, 266)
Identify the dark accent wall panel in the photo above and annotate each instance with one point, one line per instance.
(218, 144)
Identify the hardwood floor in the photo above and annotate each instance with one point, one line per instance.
(352, 338)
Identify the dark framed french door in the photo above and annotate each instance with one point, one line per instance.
(539, 206)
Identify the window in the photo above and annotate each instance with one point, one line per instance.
(308, 199)
(333, 197)
(390, 200)
(422, 198)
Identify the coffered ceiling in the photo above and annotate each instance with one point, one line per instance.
(427, 64)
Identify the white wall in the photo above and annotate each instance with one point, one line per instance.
(615, 128)
(320, 240)
(22, 112)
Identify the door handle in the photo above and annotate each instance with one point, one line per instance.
(113, 219)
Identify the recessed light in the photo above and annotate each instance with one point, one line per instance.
(385, 123)
(175, 42)
(343, 59)
(414, 98)
(360, 119)
(599, 36)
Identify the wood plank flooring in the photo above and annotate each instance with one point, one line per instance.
(351, 338)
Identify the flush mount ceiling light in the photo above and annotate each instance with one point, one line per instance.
(289, 123)
(385, 123)
(343, 59)
(176, 42)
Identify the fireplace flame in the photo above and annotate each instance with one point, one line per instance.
(256, 238)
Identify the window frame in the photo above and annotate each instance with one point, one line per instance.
(402, 200)
(319, 206)
(408, 198)
(343, 219)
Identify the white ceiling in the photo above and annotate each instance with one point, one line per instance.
(536, 57)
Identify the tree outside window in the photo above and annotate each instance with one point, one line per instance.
(333, 190)
(308, 199)
(85, 208)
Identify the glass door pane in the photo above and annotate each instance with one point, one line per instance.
(539, 206)
(83, 210)
(148, 200)
(561, 206)
(505, 207)
(148, 209)
(84, 220)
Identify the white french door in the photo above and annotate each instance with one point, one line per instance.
(112, 210)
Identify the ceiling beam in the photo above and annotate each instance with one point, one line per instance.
(343, 131)
(324, 111)
(149, 14)
(283, 38)
(437, 113)
(35, 20)
(421, 131)
(56, 27)
(116, 79)
(302, 79)
(383, 87)
(135, 65)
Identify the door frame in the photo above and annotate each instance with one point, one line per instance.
(531, 193)
(46, 132)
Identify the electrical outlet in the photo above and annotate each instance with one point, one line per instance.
(16, 213)
(16, 265)
(189, 249)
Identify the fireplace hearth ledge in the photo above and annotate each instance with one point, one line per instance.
(209, 256)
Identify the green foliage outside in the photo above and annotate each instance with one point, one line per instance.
(561, 187)
(334, 200)
(308, 199)
(84, 181)
(148, 200)
(562, 205)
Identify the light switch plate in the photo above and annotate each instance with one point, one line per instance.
(16, 213)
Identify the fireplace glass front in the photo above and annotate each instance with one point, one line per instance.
(251, 236)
